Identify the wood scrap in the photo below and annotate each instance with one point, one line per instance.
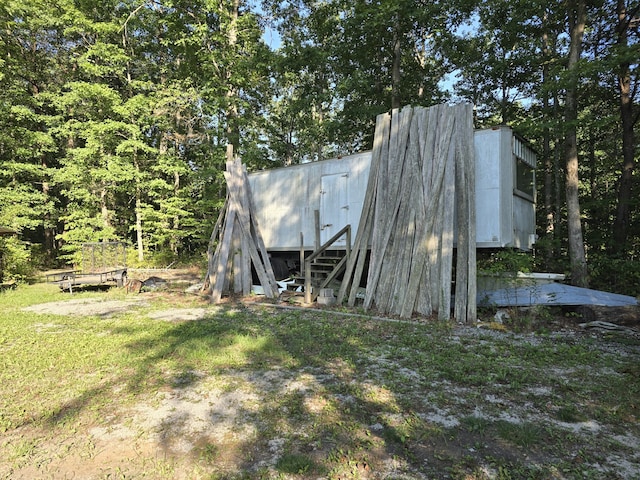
(607, 327)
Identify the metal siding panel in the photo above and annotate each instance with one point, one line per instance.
(523, 218)
(506, 186)
(488, 174)
(334, 205)
(278, 196)
(286, 198)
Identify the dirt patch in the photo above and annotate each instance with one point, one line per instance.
(107, 308)
(216, 422)
(184, 276)
(87, 307)
(182, 314)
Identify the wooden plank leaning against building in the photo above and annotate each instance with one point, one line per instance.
(422, 171)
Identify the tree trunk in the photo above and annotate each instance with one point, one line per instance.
(139, 236)
(139, 231)
(49, 233)
(557, 165)
(623, 211)
(233, 130)
(577, 255)
(104, 209)
(318, 118)
(176, 218)
(396, 75)
(547, 154)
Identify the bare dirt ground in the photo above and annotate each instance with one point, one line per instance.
(216, 419)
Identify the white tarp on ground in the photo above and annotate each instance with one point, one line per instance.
(552, 294)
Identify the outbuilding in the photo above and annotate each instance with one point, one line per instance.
(286, 198)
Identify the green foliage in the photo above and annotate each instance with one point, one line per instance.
(615, 274)
(16, 260)
(506, 260)
(115, 116)
(328, 93)
(116, 138)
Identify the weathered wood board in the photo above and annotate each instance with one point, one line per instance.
(422, 171)
(240, 244)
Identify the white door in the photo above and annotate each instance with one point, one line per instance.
(334, 206)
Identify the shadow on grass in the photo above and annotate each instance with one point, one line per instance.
(317, 394)
(300, 373)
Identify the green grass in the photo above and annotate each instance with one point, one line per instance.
(296, 463)
(369, 397)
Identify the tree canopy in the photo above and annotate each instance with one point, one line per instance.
(115, 115)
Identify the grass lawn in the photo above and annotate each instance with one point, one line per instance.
(163, 385)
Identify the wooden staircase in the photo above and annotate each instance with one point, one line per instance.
(323, 266)
(323, 270)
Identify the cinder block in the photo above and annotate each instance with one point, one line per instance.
(326, 300)
(326, 297)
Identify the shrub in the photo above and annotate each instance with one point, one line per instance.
(16, 260)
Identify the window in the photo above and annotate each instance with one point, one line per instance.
(525, 179)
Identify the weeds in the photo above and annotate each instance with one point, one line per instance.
(525, 434)
(296, 463)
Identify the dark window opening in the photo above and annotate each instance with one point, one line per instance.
(525, 179)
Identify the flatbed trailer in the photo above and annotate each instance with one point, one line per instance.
(69, 279)
(103, 263)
